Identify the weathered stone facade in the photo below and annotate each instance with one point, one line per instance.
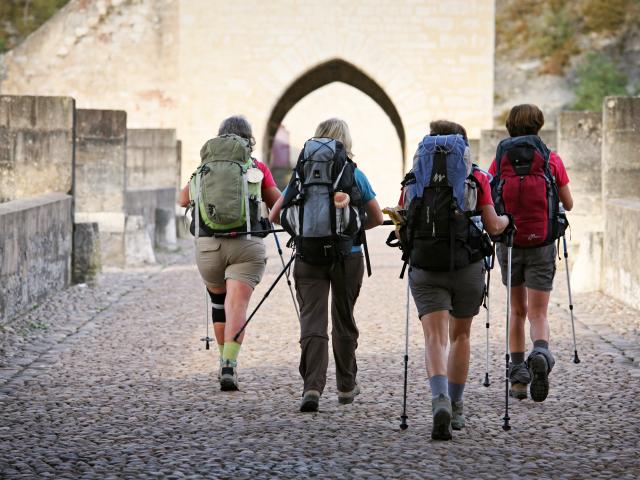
(188, 64)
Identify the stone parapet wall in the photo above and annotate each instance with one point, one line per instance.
(36, 146)
(152, 158)
(100, 178)
(621, 268)
(35, 250)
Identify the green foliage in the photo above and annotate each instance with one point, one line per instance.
(18, 18)
(598, 77)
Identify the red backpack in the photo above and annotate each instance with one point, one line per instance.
(524, 187)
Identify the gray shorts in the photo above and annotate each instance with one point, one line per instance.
(533, 267)
(460, 292)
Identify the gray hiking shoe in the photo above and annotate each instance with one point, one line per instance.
(539, 368)
(441, 407)
(229, 376)
(519, 378)
(310, 401)
(457, 416)
(345, 398)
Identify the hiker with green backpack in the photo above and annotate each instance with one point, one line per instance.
(445, 249)
(326, 208)
(226, 192)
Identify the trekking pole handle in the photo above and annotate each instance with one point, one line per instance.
(388, 222)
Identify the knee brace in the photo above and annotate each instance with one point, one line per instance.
(217, 307)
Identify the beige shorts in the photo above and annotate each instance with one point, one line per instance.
(241, 259)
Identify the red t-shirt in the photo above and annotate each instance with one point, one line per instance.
(267, 181)
(555, 164)
(484, 192)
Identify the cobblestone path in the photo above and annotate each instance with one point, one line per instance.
(111, 381)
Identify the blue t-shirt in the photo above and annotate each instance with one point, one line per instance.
(367, 195)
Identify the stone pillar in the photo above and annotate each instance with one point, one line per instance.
(489, 140)
(101, 140)
(621, 147)
(36, 146)
(86, 252)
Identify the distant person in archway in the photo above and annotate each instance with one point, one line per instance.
(230, 267)
(527, 191)
(339, 273)
(446, 253)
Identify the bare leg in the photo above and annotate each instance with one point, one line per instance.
(218, 327)
(435, 326)
(518, 317)
(458, 363)
(538, 305)
(235, 307)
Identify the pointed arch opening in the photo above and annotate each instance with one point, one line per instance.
(335, 70)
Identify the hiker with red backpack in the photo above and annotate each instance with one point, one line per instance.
(225, 193)
(326, 208)
(446, 250)
(530, 182)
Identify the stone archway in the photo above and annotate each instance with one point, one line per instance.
(335, 70)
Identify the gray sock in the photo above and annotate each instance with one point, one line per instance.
(439, 384)
(456, 390)
(517, 357)
(541, 343)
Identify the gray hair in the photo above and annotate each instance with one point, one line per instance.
(237, 125)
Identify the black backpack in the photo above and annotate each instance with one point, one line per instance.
(322, 233)
(440, 196)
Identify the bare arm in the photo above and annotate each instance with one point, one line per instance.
(274, 214)
(493, 223)
(374, 214)
(565, 197)
(183, 196)
(271, 196)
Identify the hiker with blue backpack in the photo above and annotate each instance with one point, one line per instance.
(445, 248)
(326, 207)
(531, 184)
(226, 192)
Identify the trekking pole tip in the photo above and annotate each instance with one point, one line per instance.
(505, 426)
(403, 424)
(576, 359)
(486, 382)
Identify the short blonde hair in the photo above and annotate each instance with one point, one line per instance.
(338, 130)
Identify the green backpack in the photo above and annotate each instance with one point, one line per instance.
(226, 186)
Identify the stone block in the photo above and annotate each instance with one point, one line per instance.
(87, 261)
(35, 250)
(474, 146)
(100, 177)
(138, 243)
(152, 158)
(157, 207)
(36, 145)
(489, 140)
(586, 274)
(621, 268)
(621, 147)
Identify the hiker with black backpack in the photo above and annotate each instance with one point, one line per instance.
(228, 187)
(325, 208)
(445, 248)
(529, 183)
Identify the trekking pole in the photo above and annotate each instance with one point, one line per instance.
(293, 297)
(254, 232)
(284, 270)
(206, 339)
(573, 326)
(505, 425)
(403, 417)
(486, 382)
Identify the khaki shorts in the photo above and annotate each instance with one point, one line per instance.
(460, 292)
(533, 267)
(241, 259)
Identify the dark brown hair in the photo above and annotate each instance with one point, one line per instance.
(445, 127)
(237, 125)
(526, 119)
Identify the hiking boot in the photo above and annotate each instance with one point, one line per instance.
(228, 376)
(519, 378)
(539, 368)
(441, 407)
(310, 401)
(345, 398)
(457, 417)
